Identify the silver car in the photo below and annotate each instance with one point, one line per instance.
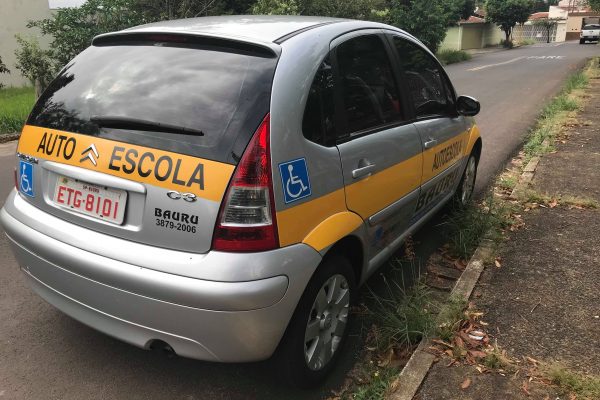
(221, 186)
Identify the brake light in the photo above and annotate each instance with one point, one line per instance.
(247, 220)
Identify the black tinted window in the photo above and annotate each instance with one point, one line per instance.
(222, 92)
(368, 86)
(424, 79)
(318, 123)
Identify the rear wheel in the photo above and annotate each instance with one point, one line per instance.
(319, 327)
(467, 182)
(581, 41)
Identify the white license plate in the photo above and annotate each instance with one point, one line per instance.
(100, 202)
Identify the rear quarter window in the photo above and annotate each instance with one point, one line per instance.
(222, 92)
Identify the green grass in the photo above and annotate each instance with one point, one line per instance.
(450, 317)
(377, 388)
(403, 315)
(583, 386)
(507, 182)
(576, 81)
(556, 112)
(469, 225)
(527, 42)
(447, 56)
(15, 105)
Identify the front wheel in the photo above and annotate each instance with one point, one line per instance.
(467, 182)
(581, 41)
(319, 326)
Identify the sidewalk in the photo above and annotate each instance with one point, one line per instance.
(542, 300)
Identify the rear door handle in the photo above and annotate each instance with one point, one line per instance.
(365, 168)
(430, 143)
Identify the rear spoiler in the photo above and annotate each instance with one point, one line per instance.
(176, 39)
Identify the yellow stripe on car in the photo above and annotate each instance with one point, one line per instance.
(437, 159)
(205, 178)
(325, 220)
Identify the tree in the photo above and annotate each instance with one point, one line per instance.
(3, 70)
(355, 9)
(467, 8)
(160, 10)
(72, 29)
(276, 7)
(595, 5)
(508, 13)
(427, 19)
(543, 5)
(548, 24)
(34, 63)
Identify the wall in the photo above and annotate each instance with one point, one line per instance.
(452, 39)
(14, 15)
(472, 36)
(561, 31)
(492, 35)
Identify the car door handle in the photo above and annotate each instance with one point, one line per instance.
(363, 170)
(430, 143)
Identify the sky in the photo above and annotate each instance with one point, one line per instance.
(65, 3)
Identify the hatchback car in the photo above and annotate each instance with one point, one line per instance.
(222, 186)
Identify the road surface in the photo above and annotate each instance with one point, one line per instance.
(47, 355)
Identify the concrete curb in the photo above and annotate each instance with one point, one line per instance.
(528, 172)
(9, 137)
(413, 374)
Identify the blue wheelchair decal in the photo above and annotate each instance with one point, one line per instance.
(294, 178)
(26, 178)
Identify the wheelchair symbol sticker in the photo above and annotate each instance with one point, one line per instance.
(26, 178)
(294, 178)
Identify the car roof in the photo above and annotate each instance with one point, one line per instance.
(252, 28)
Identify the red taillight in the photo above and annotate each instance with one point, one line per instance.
(247, 220)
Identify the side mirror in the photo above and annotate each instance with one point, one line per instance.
(467, 106)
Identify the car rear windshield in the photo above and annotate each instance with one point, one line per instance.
(591, 27)
(200, 99)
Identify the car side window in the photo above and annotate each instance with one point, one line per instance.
(368, 88)
(428, 88)
(318, 123)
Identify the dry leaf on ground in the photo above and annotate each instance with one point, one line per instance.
(466, 383)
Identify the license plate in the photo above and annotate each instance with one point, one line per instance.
(107, 204)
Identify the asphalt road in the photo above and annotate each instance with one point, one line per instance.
(47, 355)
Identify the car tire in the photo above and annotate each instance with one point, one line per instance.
(581, 41)
(311, 345)
(465, 189)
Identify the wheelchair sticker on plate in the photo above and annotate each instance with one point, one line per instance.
(294, 178)
(26, 178)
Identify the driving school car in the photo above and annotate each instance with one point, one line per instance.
(221, 186)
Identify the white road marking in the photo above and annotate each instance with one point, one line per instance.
(545, 57)
(8, 148)
(495, 65)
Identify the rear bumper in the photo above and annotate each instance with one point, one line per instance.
(227, 321)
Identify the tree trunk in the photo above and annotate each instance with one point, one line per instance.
(39, 88)
(507, 33)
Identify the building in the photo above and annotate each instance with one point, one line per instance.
(576, 13)
(14, 15)
(473, 33)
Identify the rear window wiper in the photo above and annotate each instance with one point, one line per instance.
(142, 125)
